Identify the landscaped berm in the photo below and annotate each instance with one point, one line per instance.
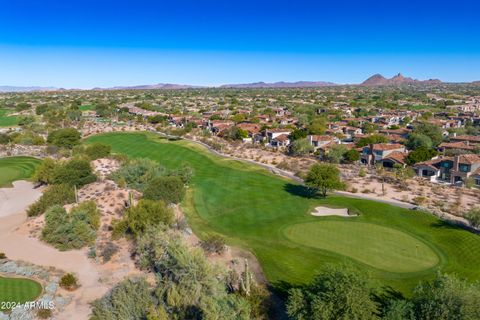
(16, 168)
(18, 290)
(271, 217)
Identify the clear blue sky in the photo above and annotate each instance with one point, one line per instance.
(104, 43)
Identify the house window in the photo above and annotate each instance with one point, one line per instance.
(477, 182)
(464, 167)
(446, 164)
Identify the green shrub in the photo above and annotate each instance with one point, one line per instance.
(45, 171)
(69, 281)
(214, 244)
(76, 172)
(169, 189)
(146, 213)
(130, 299)
(98, 150)
(138, 173)
(73, 230)
(59, 194)
(64, 138)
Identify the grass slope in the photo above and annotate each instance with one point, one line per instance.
(262, 212)
(16, 168)
(19, 290)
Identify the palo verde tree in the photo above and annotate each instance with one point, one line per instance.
(323, 178)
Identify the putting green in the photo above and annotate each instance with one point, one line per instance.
(18, 290)
(16, 168)
(252, 208)
(380, 247)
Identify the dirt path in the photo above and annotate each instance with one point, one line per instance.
(19, 245)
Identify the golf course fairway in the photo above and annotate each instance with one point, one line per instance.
(269, 216)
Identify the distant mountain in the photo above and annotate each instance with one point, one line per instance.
(158, 86)
(477, 83)
(26, 89)
(282, 84)
(399, 79)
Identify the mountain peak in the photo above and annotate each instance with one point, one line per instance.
(399, 79)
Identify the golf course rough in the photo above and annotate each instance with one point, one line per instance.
(15, 291)
(16, 168)
(267, 215)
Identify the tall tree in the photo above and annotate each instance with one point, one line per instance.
(323, 178)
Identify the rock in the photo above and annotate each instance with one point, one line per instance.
(51, 288)
(19, 313)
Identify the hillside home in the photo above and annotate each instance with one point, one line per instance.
(277, 137)
(385, 153)
(454, 170)
(320, 141)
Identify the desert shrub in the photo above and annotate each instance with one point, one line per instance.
(188, 287)
(2, 255)
(169, 189)
(184, 172)
(92, 253)
(44, 313)
(75, 172)
(64, 138)
(214, 244)
(45, 171)
(59, 194)
(145, 213)
(362, 173)
(419, 200)
(131, 299)
(473, 216)
(69, 281)
(73, 230)
(108, 251)
(138, 173)
(98, 150)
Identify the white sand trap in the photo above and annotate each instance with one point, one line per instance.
(17, 199)
(325, 211)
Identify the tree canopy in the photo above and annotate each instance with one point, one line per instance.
(64, 138)
(323, 178)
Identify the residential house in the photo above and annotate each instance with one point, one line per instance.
(454, 170)
(320, 141)
(385, 153)
(272, 136)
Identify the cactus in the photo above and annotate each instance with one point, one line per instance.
(246, 280)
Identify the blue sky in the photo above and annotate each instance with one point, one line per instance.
(104, 43)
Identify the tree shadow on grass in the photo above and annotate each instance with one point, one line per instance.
(301, 191)
(386, 295)
(452, 225)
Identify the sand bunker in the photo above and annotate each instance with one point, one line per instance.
(325, 211)
(17, 199)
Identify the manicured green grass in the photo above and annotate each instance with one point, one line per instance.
(17, 290)
(381, 247)
(262, 212)
(86, 107)
(16, 168)
(6, 120)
